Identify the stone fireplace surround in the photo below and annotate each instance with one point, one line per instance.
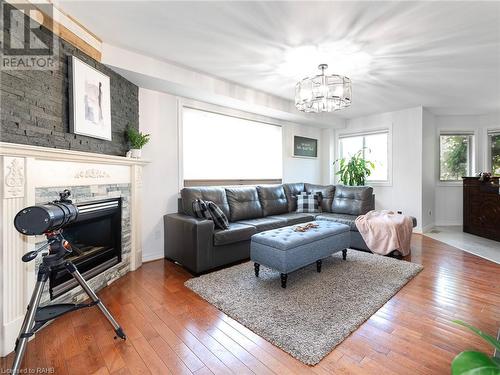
(32, 175)
(88, 193)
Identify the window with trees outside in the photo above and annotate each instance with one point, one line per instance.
(219, 149)
(494, 152)
(373, 147)
(455, 156)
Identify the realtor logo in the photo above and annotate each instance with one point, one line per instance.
(25, 45)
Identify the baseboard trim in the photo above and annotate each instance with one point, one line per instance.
(9, 335)
(448, 224)
(152, 257)
(428, 228)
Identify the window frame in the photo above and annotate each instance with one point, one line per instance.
(471, 154)
(183, 103)
(489, 134)
(383, 130)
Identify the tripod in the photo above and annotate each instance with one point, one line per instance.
(36, 317)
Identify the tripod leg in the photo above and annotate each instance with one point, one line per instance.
(78, 277)
(29, 320)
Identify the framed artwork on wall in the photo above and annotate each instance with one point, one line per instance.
(90, 101)
(305, 147)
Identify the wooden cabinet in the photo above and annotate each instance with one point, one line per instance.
(482, 207)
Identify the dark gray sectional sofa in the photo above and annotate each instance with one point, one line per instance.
(198, 246)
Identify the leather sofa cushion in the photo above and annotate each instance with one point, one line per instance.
(327, 193)
(243, 203)
(291, 192)
(340, 218)
(273, 199)
(235, 233)
(352, 200)
(265, 223)
(208, 193)
(293, 218)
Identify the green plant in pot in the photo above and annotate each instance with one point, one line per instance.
(354, 170)
(472, 362)
(137, 141)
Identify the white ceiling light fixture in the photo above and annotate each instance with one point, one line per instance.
(323, 93)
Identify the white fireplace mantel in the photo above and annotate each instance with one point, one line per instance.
(25, 168)
(44, 153)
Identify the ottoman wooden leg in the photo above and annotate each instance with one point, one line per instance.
(344, 254)
(284, 276)
(256, 267)
(318, 265)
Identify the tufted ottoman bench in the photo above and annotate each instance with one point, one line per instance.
(286, 250)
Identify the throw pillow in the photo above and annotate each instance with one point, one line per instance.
(307, 203)
(208, 210)
(200, 209)
(218, 216)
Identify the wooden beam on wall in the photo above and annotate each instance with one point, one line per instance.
(66, 27)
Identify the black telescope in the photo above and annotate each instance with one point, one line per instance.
(45, 218)
(49, 219)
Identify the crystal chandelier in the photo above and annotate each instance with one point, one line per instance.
(323, 93)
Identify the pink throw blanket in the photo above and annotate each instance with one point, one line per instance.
(385, 231)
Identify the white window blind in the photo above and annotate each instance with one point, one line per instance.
(221, 147)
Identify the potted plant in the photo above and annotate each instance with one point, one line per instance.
(353, 171)
(472, 362)
(137, 141)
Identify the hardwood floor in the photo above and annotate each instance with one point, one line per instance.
(173, 331)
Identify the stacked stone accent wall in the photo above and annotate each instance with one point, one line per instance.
(86, 194)
(34, 106)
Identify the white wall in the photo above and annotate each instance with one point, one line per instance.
(404, 192)
(448, 199)
(158, 116)
(415, 188)
(328, 156)
(429, 175)
(302, 169)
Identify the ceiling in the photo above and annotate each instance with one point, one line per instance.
(442, 55)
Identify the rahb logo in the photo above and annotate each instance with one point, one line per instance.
(25, 45)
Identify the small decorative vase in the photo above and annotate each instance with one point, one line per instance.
(135, 153)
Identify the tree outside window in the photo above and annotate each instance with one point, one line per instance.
(494, 141)
(455, 156)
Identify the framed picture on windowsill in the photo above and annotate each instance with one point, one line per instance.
(305, 147)
(90, 101)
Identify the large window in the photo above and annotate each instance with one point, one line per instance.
(494, 152)
(455, 156)
(374, 147)
(219, 148)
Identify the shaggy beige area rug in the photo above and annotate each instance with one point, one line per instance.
(316, 311)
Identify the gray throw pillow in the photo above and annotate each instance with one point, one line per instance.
(308, 203)
(208, 210)
(218, 216)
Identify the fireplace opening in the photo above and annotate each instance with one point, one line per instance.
(95, 238)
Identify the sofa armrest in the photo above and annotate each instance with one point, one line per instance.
(189, 241)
